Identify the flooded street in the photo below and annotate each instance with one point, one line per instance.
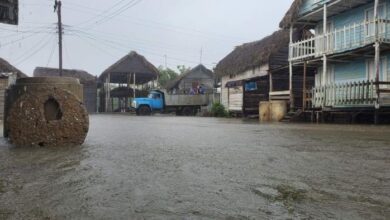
(165, 167)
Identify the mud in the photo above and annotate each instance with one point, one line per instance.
(201, 168)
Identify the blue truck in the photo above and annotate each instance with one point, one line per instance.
(160, 101)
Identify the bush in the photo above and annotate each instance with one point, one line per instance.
(218, 110)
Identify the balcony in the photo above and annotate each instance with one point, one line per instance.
(340, 40)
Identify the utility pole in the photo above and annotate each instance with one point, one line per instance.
(166, 62)
(57, 7)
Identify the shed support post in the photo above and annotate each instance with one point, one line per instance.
(134, 84)
(107, 93)
(304, 86)
(291, 71)
(271, 85)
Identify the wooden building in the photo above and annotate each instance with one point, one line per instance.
(8, 75)
(258, 71)
(88, 81)
(198, 76)
(350, 50)
(131, 73)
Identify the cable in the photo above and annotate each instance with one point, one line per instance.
(51, 53)
(100, 14)
(118, 12)
(42, 43)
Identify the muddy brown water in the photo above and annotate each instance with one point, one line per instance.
(165, 167)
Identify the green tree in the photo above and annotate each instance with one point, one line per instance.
(183, 69)
(166, 75)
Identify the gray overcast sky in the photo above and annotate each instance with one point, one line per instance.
(99, 32)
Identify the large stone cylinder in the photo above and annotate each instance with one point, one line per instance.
(46, 111)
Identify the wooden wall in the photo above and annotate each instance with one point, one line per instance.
(3, 87)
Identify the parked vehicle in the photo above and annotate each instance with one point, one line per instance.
(161, 101)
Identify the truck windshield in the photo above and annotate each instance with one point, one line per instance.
(154, 96)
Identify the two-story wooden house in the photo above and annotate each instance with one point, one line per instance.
(350, 50)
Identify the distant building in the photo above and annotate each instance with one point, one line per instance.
(88, 81)
(198, 76)
(258, 71)
(118, 82)
(8, 75)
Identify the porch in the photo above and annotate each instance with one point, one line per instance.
(350, 95)
(348, 38)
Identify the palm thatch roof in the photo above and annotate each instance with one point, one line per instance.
(124, 92)
(200, 68)
(291, 14)
(252, 55)
(83, 76)
(122, 71)
(6, 68)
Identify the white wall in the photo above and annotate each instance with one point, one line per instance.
(256, 72)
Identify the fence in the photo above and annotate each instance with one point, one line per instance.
(345, 94)
(349, 37)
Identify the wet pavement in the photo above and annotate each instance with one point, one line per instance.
(165, 167)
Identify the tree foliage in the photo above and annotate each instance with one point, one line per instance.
(168, 74)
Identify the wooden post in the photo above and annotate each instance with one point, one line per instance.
(324, 58)
(377, 52)
(291, 70)
(304, 86)
(134, 85)
(271, 85)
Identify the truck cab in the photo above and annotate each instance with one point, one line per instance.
(145, 106)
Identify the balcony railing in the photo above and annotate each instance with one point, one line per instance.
(347, 38)
(361, 93)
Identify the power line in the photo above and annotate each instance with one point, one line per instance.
(118, 12)
(51, 53)
(39, 47)
(99, 14)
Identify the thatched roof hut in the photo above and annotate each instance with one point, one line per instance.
(291, 14)
(200, 69)
(83, 76)
(6, 68)
(252, 55)
(121, 71)
(124, 92)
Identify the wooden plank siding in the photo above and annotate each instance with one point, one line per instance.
(254, 97)
(3, 87)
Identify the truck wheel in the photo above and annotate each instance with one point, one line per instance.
(144, 110)
(187, 111)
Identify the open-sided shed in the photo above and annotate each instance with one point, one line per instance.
(132, 71)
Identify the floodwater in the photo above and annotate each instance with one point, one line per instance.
(166, 167)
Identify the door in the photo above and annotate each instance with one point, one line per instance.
(157, 101)
(236, 96)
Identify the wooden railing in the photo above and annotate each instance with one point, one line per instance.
(339, 40)
(345, 94)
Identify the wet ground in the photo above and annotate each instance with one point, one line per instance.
(201, 168)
